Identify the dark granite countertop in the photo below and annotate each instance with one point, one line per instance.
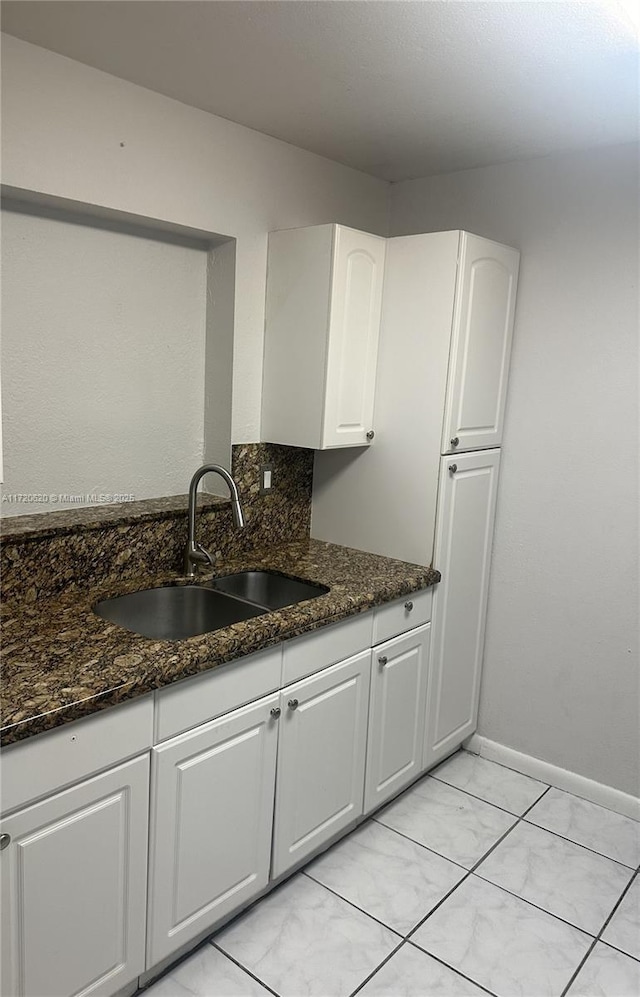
(61, 662)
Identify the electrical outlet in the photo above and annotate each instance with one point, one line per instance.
(266, 478)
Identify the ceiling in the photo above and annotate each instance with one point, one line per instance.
(396, 89)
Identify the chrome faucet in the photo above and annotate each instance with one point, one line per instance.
(194, 552)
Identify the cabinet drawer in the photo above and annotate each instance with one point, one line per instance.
(403, 614)
(308, 654)
(205, 697)
(48, 762)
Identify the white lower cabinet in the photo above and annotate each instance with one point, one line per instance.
(464, 533)
(223, 806)
(211, 817)
(74, 879)
(399, 677)
(321, 759)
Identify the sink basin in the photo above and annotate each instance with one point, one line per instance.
(267, 588)
(175, 612)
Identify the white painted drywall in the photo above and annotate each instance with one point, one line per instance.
(103, 351)
(561, 655)
(396, 89)
(74, 132)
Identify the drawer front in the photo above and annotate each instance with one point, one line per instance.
(397, 617)
(205, 697)
(310, 653)
(48, 762)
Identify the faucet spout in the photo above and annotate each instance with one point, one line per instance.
(195, 553)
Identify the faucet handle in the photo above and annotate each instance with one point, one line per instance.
(206, 556)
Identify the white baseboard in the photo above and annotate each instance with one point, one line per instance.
(571, 782)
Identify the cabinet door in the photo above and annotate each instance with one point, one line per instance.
(211, 814)
(399, 677)
(321, 754)
(354, 327)
(464, 532)
(480, 345)
(74, 878)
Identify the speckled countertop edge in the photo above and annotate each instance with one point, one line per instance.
(61, 662)
(40, 526)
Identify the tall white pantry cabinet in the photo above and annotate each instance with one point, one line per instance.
(425, 491)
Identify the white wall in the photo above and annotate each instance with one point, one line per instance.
(103, 346)
(561, 655)
(71, 131)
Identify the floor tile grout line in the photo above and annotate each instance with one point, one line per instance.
(490, 803)
(617, 904)
(468, 873)
(598, 937)
(594, 851)
(378, 968)
(616, 948)
(472, 871)
(529, 809)
(432, 851)
(449, 966)
(244, 969)
(351, 904)
(517, 819)
(572, 841)
(480, 799)
(543, 910)
(524, 899)
(476, 754)
(579, 967)
(463, 880)
(168, 971)
(509, 768)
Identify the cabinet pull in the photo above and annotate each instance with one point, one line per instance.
(382, 660)
(455, 441)
(292, 704)
(453, 468)
(370, 434)
(5, 841)
(408, 606)
(275, 712)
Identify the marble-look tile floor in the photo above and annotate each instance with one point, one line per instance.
(476, 880)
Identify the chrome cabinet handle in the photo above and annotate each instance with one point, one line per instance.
(453, 468)
(455, 441)
(275, 712)
(408, 606)
(370, 434)
(5, 840)
(292, 704)
(382, 660)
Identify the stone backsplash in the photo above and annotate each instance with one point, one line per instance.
(44, 555)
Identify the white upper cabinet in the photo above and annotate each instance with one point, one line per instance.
(324, 296)
(481, 337)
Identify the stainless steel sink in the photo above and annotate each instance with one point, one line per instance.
(176, 612)
(267, 588)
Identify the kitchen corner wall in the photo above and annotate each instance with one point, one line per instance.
(69, 131)
(561, 668)
(561, 672)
